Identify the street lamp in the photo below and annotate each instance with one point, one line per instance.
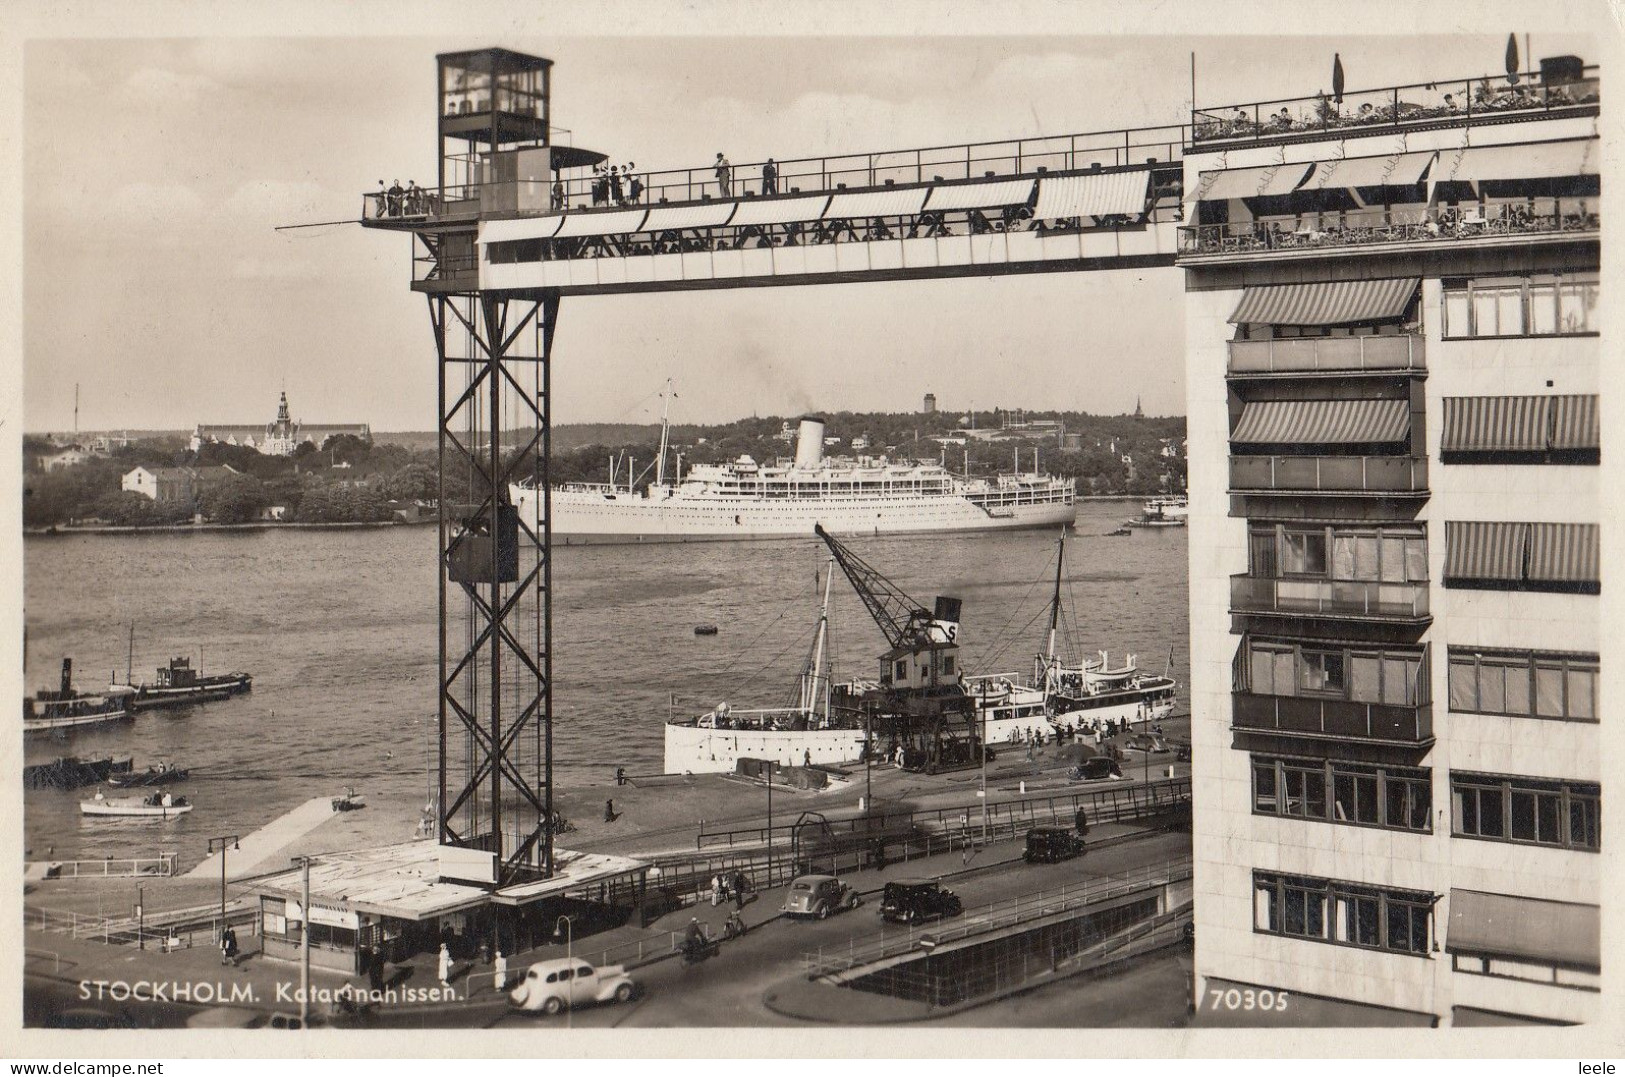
(304, 945)
(564, 927)
(221, 844)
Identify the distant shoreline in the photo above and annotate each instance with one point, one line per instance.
(257, 525)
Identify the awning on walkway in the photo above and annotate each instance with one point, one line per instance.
(1484, 550)
(888, 202)
(1260, 182)
(698, 215)
(1394, 170)
(1347, 302)
(1496, 423)
(599, 224)
(1093, 195)
(992, 193)
(1533, 929)
(1539, 160)
(1568, 553)
(762, 211)
(522, 228)
(1322, 422)
(1574, 423)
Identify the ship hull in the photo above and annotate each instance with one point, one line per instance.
(132, 811)
(582, 518)
(73, 721)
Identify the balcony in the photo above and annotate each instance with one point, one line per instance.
(1327, 355)
(1363, 231)
(1357, 600)
(1419, 106)
(1369, 475)
(1332, 719)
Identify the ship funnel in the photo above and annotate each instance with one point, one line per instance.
(810, 442)
(67, 677)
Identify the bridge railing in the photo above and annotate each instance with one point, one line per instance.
(1475, 100)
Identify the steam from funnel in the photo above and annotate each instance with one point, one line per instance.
(810, 442)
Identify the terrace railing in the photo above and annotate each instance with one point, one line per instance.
(1409, 226)
(1329, 474)
(1313, 355)
(1485, 99)
(1374, 599)
(1341, 718)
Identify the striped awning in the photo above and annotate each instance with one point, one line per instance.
(888, 202)
(1347, 302)
(522, 228)
(1259, 182)
(1539, 160)
(760, 211)
(1574, 423)
(1533, 929)
(1092, 195)
(698, 215)
(1564, 552)
(599, 224)
(1496, 423)
(1009, 192)
(1394, 170)
(1323, 422)
(1481, 550)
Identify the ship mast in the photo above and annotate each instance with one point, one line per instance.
(1054, 609)
(818, 652)
(665, 430)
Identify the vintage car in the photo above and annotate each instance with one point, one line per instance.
(1049, 844)
(913, 902)
(819, 895)
(1151, 743)
(550, 986)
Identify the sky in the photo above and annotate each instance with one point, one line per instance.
(155, 170)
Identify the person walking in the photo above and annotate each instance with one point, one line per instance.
(445, 965)
(725, 176)
(770, 178)
(716, 890)
(499, 973)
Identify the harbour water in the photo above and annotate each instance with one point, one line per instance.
(338, 629)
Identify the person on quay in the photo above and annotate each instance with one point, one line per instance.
(444, 968)
(499, 972)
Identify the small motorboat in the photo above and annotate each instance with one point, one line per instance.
(350, 801)
(161, 774)
(159, 805)
(705, 630)
(1118, 532)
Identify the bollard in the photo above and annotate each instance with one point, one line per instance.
(1023, 788)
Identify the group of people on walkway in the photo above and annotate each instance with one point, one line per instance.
(612, 185)
(398, 201)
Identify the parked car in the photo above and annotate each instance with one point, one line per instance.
(550, 986)
(819, 895)
(1095, 768)
(1048, 844)
(913, 902)
(1147, 742)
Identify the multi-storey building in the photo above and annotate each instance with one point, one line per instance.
(1393, 353)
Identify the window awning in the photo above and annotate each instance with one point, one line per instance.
(1496, 423)
(1532, 929)
(760, 211)
(1394, 170)
(1540, 160)
(1574, 423)
(522, 228)
(1568, 553)
(599, 224)
(1260, 182)
(1482, 550)
(1010, 192)
(889, 202)
(1323, 422)
(1092, 195)
(698, 215)
(1330, 303)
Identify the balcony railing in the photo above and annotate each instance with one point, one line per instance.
(1477, 100)
(1362, 599)
(1311, 355)
(1333, 718)
(1430, 225)
(810, 175)
(1329, 474)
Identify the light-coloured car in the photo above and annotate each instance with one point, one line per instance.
(819, 895)
(550, 986)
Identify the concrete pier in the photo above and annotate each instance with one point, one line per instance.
(257, 852)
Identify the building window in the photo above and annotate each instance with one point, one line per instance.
(1343, 913)
(1385, 555)
(1392, 798)
(1524, 684)
(1360, 673)
(1526, 810)
(1521, 306)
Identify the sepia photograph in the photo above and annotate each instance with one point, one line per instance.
(852, 527)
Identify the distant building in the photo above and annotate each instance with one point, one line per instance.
(860, 443)
(280, 437)
(1138, 412)
(107, 444)
(72, 456)
(930, 407)
(168, 485)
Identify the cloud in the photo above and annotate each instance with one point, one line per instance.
(165, 203)
(279, 202)
(279, 269)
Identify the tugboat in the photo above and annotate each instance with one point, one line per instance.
(179, 684)
(65, 707)
(158, 805)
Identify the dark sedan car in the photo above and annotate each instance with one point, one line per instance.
(912, 902)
